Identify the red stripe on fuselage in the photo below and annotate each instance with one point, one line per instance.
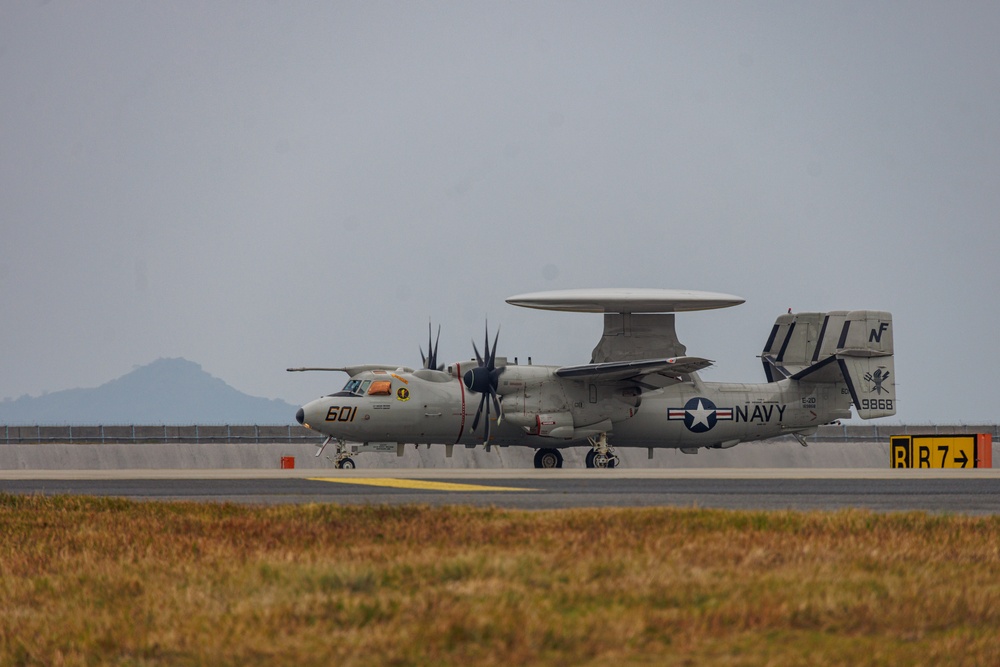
(461, 385)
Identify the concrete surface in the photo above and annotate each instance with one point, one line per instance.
(948, 491)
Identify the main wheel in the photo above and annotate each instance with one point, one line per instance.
(346, 464)
(548, 458)
(590, 458)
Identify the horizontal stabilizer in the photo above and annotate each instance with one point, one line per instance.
(612, 371)
(799, 340)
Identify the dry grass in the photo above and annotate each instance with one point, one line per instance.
(88, 581)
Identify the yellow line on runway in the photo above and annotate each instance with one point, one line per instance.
(415, 484)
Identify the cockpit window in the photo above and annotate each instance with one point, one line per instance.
(380, 388)
(352, 386)
(364, 387)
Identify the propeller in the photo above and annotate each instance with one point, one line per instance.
(484, 379)
(430, 361)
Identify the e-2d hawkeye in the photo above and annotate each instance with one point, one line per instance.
(640, 388)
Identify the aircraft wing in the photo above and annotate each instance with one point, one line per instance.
(354, 370)
(613, 371)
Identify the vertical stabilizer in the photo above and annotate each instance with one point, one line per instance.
(864, 353)
(840, 347)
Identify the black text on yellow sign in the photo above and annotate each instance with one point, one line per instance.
(937, 451)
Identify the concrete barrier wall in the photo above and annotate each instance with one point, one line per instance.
(768, 454)
(114, 456)
(52, 456)
(211, 447)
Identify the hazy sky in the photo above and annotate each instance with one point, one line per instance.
(257, 185)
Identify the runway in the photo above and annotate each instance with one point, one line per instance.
(950, 491)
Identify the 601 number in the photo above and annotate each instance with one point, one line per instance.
(341, 414)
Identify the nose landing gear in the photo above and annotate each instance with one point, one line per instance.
(342, 459)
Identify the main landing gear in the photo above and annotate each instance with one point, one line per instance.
(602, 455)
(341, 459)
(548, 458)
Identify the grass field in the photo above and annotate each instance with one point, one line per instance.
(88, 581)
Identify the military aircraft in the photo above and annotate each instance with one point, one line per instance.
(639, 389)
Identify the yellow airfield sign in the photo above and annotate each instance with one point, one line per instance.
(941, 451)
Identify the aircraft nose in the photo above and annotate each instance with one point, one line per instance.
(300, 416)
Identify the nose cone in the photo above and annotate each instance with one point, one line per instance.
(300, 416)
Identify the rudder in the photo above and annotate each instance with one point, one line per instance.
(864, 354)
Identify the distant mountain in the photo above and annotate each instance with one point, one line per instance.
(167, 391)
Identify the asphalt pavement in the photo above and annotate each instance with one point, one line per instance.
(966, 492)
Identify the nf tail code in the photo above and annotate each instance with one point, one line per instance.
(941, 451)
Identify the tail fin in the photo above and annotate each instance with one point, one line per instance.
(853, 348)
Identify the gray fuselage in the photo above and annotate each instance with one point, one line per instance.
(541, 410)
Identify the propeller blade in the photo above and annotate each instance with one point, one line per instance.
(484, 380)
(493, 355)
(496, 405)
(486, 345)
(479, 411)
(437, 340)
(430, 360)
(486, 437)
